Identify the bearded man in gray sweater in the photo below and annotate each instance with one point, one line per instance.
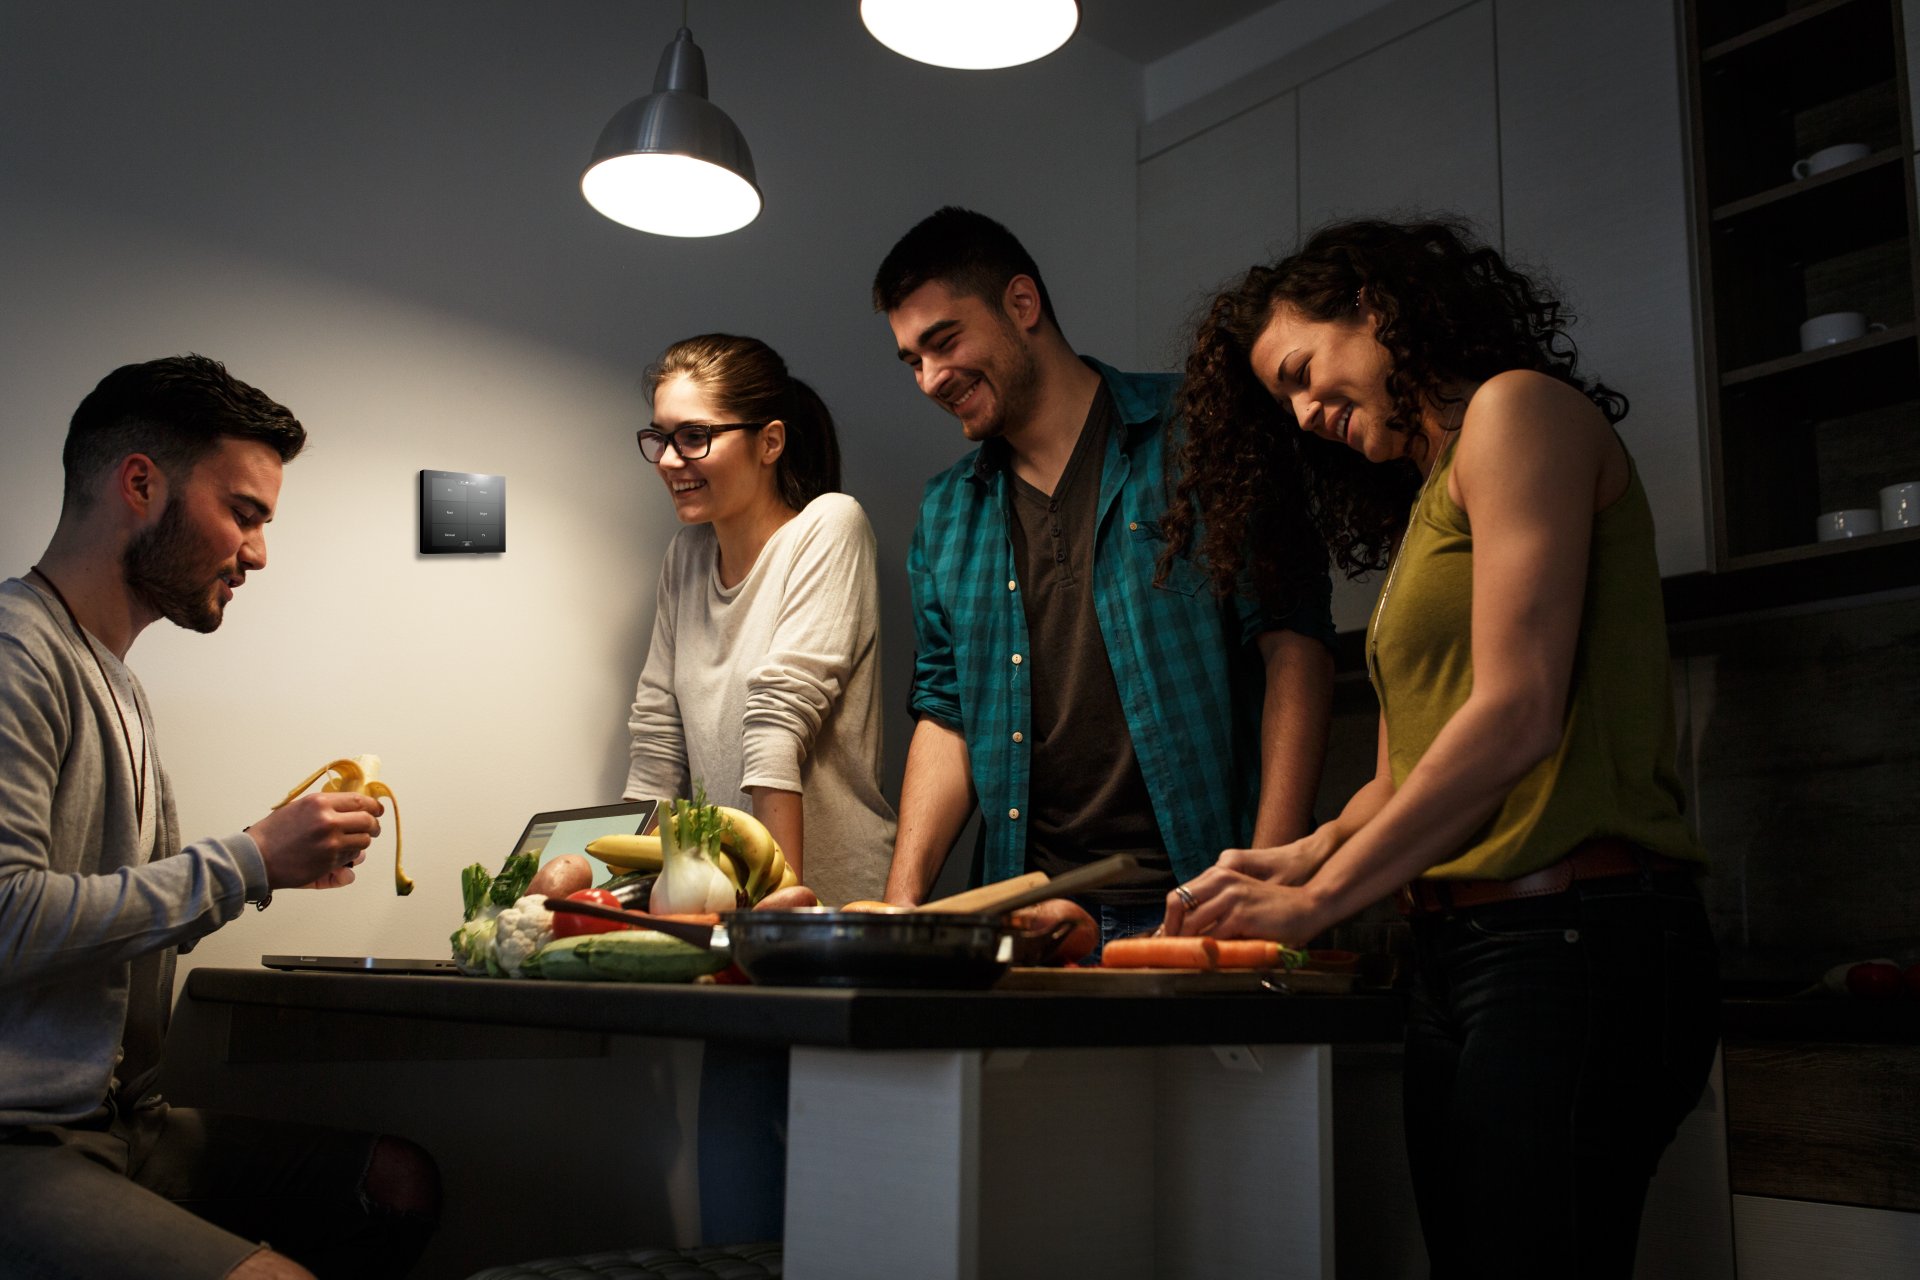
(173, 470)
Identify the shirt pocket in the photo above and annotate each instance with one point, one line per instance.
(1183, 576)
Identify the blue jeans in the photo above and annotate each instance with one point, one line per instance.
(1553, 1046)
(1128, 921)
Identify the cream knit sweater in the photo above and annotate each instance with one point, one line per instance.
(774, 682)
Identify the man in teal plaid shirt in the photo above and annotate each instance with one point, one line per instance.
(1090, 710)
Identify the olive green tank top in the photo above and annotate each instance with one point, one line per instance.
(1613, 773)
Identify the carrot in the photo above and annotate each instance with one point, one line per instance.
(692, 917)
(1161, 953)
(1249, 953)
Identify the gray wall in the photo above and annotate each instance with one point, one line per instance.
(372, 212)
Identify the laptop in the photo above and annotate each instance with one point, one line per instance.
(552, 834)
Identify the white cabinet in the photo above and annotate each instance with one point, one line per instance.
(1557, 129)
(1593, 186)
(1410, 127)
(1210, 208)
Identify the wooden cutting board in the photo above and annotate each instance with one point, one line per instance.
(1172, 982)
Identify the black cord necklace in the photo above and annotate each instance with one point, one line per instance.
(126, 737)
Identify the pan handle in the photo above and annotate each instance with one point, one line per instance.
(700, 935)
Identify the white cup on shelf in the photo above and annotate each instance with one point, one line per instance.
(1834, 327)
(1830, 158)
(1900, 505)
(1853, 522)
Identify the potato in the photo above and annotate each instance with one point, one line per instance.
(787, 899)
(568, 873)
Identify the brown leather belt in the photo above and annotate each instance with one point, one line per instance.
(1593, 860)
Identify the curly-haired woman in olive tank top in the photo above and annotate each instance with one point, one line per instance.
(1418, 399)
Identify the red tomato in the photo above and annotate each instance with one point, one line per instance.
(567, 925)
(1876, 981)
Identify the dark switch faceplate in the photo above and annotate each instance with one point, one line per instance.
(462, 511)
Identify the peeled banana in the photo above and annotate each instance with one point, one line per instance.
(360, 776)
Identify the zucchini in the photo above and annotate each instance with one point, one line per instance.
(641, 955)
(561, 961)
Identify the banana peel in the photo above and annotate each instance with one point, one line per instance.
(359, 776)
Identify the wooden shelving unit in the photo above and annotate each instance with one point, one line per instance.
(1792, 433)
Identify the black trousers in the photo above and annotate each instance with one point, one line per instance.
(1554, 1044)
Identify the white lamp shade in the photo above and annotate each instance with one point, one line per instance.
(673, 163)
(670, 195)
(971, 35)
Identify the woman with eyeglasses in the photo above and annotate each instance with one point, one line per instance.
(1419, 399)
(762, 681)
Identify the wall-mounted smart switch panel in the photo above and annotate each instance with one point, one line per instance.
(462, 511)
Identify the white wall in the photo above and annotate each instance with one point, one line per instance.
(371, 211)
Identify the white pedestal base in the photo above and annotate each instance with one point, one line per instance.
(1121, 1163)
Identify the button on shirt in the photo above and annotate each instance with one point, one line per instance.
(1188, 674)
(1088, 798)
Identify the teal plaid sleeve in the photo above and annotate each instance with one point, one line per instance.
(935, 690)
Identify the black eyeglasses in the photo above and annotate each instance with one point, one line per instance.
(690, 441)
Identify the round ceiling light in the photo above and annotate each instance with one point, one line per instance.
(672, 163)
(971, 35)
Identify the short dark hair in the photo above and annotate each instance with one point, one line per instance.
(750, 382)
(968, 252)
(176, 411)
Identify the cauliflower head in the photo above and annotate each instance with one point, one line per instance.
(518, 932)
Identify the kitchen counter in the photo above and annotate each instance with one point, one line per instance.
(848, 1019)
(932, 1134)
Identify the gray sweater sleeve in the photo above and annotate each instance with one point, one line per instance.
(75, 893)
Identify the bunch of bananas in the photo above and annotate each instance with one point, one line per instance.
(361, 775)
(750, 856)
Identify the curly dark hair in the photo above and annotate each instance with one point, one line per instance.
(1451, 311)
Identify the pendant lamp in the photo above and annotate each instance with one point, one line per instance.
(672, 163)
(971, 35)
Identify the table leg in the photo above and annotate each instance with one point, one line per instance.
(1122, 1163)
(882, 1165)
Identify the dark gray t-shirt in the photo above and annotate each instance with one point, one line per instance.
(1087, 798)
